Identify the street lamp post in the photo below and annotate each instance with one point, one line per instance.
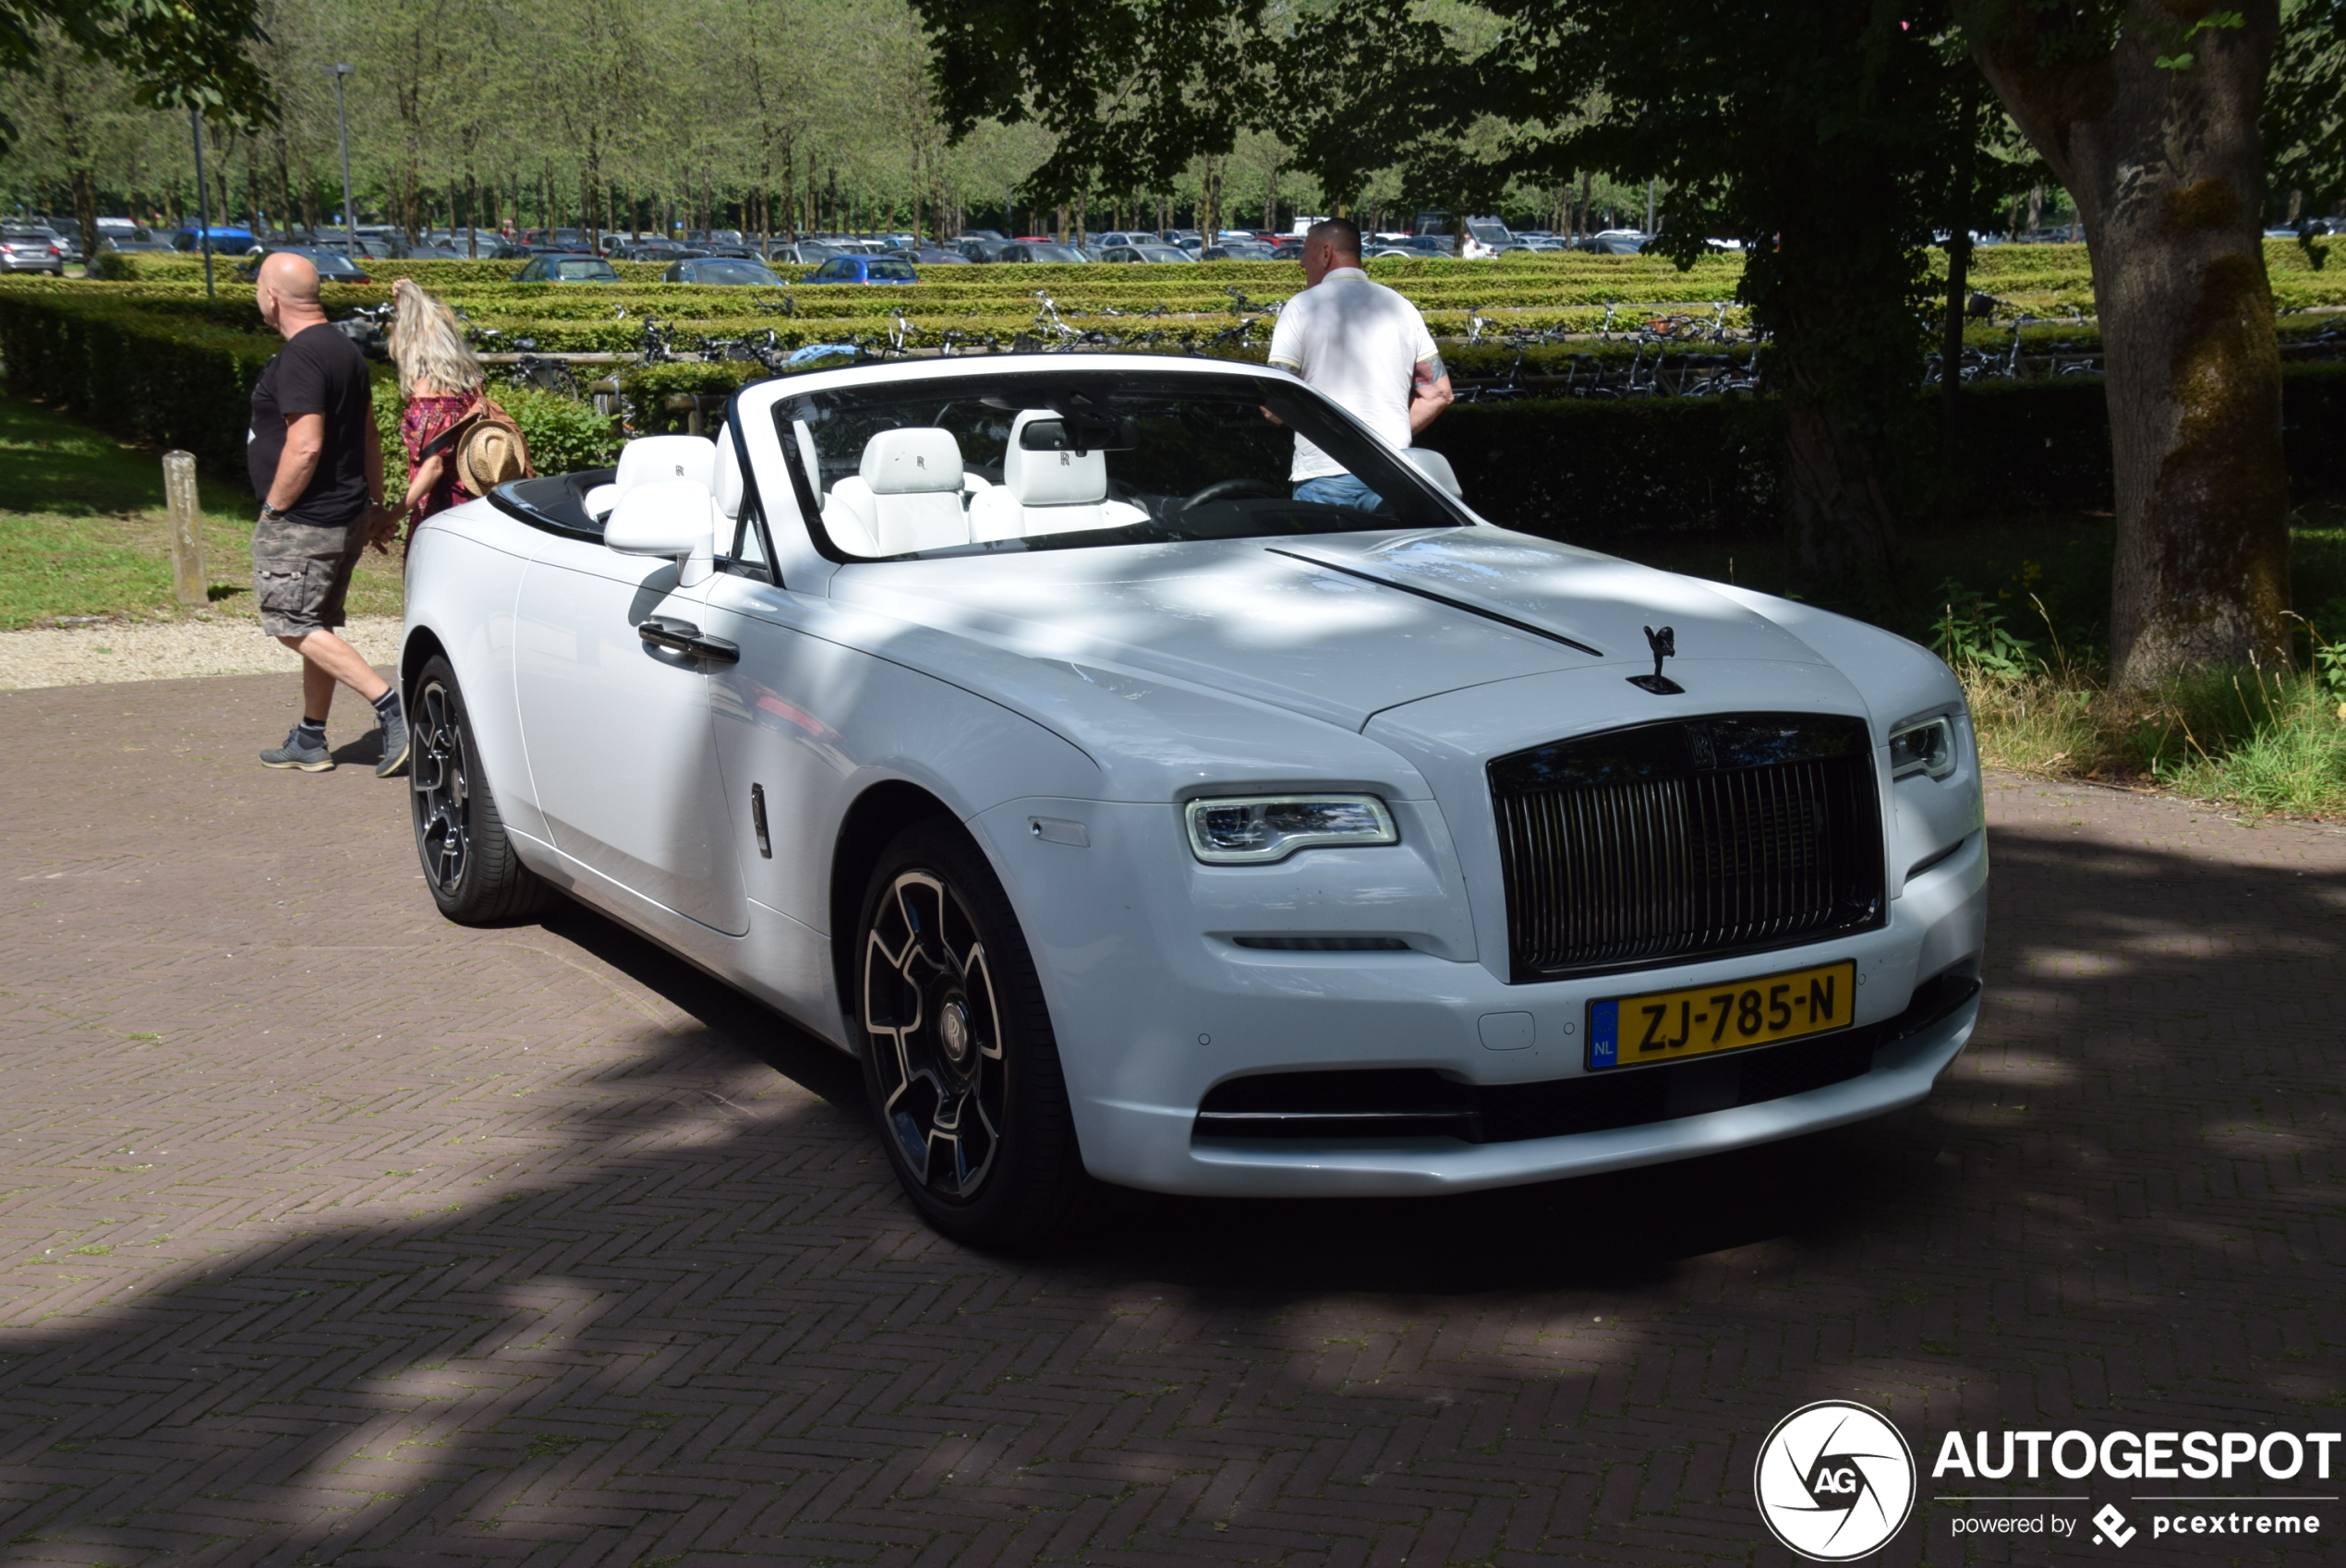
(203, 202)
(341, 120)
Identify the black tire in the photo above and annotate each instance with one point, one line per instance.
(468, 859)
(958, 1057)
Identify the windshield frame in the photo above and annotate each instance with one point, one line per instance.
(807, 493)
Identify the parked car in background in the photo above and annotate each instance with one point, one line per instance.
(1012, 727)
(1114, 237)
(1238, 250)
(25, 249)
(562, 268)
(994, 234)
(333, 266)
(935, 256)
(1614, 242)
(802, 253)
(973, 249)
(138, 242)
(68, 233)
(722, 271)
(1044, 251)
(865, 269)
(493, 247)
(1151, 253)
(225, 240)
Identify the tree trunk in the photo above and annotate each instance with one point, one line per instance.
(2164, 167)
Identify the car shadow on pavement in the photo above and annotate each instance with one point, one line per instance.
(701, 1326)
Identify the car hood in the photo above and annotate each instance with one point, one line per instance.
(1337, 627)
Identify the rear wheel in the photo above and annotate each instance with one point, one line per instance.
(468, 859)
(958, 1057)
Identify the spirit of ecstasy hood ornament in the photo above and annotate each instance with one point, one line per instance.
(1664, 645)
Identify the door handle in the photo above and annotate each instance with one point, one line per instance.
(683, 636)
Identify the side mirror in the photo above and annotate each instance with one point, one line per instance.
(671, 517)
(1436, 467)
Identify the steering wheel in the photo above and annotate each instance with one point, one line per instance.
(1225, 488)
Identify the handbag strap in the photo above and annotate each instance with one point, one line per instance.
(454, 432)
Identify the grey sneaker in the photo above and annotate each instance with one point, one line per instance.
(292, 753)
(394, 761)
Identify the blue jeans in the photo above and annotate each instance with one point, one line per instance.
(1338, 489)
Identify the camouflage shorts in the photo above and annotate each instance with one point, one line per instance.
(300, 573)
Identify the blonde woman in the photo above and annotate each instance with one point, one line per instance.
(442, 383)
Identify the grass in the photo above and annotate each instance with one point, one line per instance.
(96, 541)
(2021, 612)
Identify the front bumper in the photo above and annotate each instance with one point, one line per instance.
(1152, 1013)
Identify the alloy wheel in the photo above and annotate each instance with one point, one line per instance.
(442, 786)
(936, 1034)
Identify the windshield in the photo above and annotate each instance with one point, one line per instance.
(889, 272)
(583, 272)
(733, 272)
(1062, 459)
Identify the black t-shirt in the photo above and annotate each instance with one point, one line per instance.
(319, 370)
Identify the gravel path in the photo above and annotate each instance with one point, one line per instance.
(154, 650)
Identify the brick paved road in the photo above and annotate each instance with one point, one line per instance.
(335, 1234)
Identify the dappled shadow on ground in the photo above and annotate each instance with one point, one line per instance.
(704, 1329)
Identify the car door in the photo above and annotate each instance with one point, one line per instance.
(618, 730)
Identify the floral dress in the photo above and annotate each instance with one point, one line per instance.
(425, 418)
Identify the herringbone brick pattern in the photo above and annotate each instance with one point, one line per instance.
(335, 1234)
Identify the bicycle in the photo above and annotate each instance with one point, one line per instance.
(546, 375)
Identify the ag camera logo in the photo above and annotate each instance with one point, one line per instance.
(1834, 1481)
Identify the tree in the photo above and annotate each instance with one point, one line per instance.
(1772, 127)
(2304, 128)
(177, 53)
(2147, 111)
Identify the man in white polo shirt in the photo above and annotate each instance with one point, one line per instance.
(1364, 347)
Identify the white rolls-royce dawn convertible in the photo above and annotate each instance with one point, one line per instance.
(1013, 724)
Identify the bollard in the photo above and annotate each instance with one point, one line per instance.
(187, 529)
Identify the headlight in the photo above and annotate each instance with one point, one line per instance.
(1251, 829)
(1928, 748)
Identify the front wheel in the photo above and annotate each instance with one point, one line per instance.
(958, 1057)
(468, 859)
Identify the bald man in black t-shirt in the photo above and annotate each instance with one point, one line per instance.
(316, 465)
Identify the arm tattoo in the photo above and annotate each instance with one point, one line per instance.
(1428, 372)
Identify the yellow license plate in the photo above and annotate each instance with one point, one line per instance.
(1668, 1026)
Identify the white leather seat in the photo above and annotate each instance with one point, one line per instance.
(905, 496)
(649, 458)
(1047, 493)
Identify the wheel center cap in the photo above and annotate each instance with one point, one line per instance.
(953, 1031)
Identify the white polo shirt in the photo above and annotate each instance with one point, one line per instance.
(1358, 343)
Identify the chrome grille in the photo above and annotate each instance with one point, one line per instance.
(1689, 838)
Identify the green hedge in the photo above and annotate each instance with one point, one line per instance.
(1595, 472)
(171, 371)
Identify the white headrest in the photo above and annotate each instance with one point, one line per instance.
(1051, 478)
(725, 477)
(911, 462)
(650, 458)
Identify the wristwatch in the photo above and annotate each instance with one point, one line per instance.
(271, 514)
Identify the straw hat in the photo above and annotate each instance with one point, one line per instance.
(491, 455)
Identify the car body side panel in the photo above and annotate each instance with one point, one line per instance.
(464, 581)
(815, 723)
